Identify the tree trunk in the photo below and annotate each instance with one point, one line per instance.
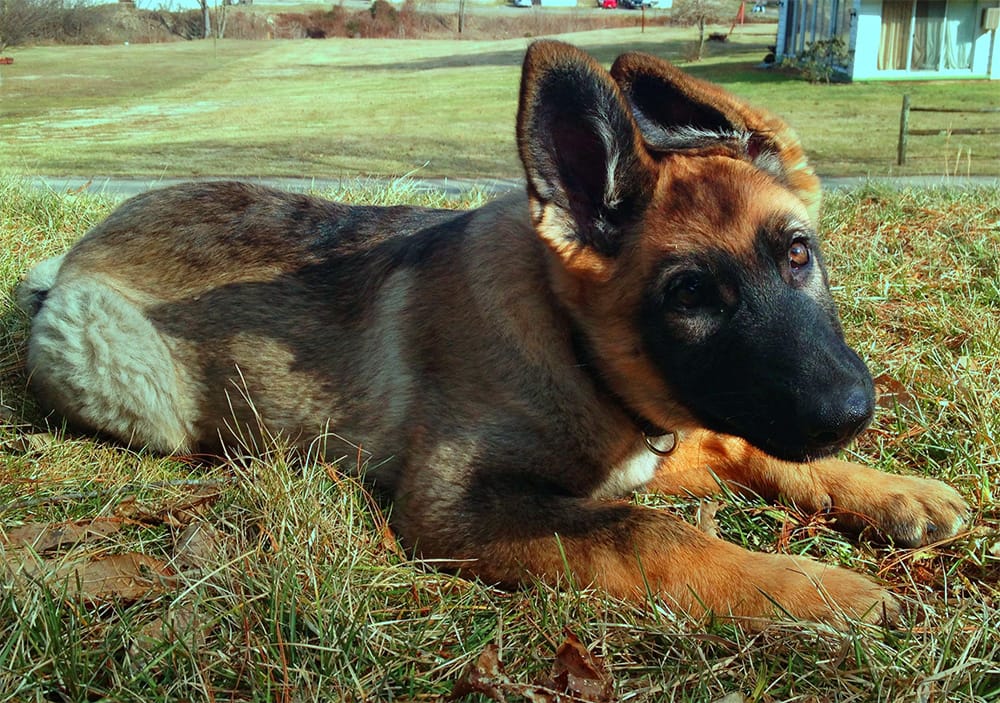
(207, 18)
(701, 36)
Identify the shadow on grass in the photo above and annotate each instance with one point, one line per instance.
(740, 66)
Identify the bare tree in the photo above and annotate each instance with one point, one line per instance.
(701, 13)
(24, 20)
(206, 18)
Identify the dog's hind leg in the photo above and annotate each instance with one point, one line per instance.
(634, 552)
(95, 359)
(909, 510)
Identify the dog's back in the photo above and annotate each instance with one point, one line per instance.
(223, 311)
(224, 314)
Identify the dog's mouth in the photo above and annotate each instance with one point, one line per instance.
(801, 445)
(800, 454)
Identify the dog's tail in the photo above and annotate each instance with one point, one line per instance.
(32, 291)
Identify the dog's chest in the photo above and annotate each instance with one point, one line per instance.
(635, 471)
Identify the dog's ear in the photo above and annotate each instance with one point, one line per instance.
(589, 174)
(676, 111)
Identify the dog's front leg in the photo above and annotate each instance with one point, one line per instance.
(630, 551)
(906, 509)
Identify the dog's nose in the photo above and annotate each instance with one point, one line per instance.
(841, 419)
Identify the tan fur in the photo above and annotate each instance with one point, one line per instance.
(908, 509)
(501, 366)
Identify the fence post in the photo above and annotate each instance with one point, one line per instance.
(904, 129)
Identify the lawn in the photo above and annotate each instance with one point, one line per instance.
(261, 581)
(340, 108)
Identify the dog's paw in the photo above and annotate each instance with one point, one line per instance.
(908, 511)
(912, 511)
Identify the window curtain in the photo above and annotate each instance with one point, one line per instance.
(894, 42)
(928, 23)
(959, 33)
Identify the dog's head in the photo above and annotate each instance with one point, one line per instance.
(683, 225)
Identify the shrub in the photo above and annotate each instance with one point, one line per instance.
(819, 61)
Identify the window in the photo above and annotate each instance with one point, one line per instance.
(926, 35)
(809, 21)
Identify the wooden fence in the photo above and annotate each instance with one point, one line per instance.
(905, 131)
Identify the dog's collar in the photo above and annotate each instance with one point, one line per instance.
(657, 440)
(662, 444)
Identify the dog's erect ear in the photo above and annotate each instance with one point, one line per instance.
(675, 111)
(589, 174)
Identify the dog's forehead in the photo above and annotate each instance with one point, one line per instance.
(718, 203)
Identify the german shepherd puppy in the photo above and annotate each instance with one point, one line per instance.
(652, 312)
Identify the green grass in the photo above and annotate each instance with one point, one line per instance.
(341, 108)
(300, 594)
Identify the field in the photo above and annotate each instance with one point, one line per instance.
(340, 108)
(152, 579)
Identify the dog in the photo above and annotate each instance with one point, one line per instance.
(651, 313)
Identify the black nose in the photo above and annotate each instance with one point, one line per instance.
(840, 418)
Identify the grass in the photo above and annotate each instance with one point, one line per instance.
(299, 593)
(339, 108)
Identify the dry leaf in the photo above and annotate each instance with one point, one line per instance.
(485, 676)
(891, 392)
(579, 674)
(177, 513)
(197, 547)
(127, 577)
(36, 441)
(734, 697)
(42, 537)
(705, 517)
(577, 677)
(179, 620)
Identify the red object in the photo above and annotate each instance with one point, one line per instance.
(609, 4)
(5, 60)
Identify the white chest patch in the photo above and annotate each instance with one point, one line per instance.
(635, 471)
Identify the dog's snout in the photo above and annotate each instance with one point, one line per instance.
(842, 418)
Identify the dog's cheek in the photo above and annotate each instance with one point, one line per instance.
(685, 349)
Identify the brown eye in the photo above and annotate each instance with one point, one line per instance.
(689, 292)
(798, 255)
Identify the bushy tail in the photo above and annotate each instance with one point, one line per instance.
(32, 291)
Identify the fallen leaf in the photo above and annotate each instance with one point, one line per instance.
(198, 546)
(705, 517)
(178, 620)
(176, 513)
(579, 673)
(42, 537)
(577, 677)
(32, 442)
(125, 577)
(734, 697)
(485, 676)
(891, 393)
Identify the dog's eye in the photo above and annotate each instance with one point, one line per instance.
(688, 292)
(798, 255)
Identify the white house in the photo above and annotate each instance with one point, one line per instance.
(899, 39)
